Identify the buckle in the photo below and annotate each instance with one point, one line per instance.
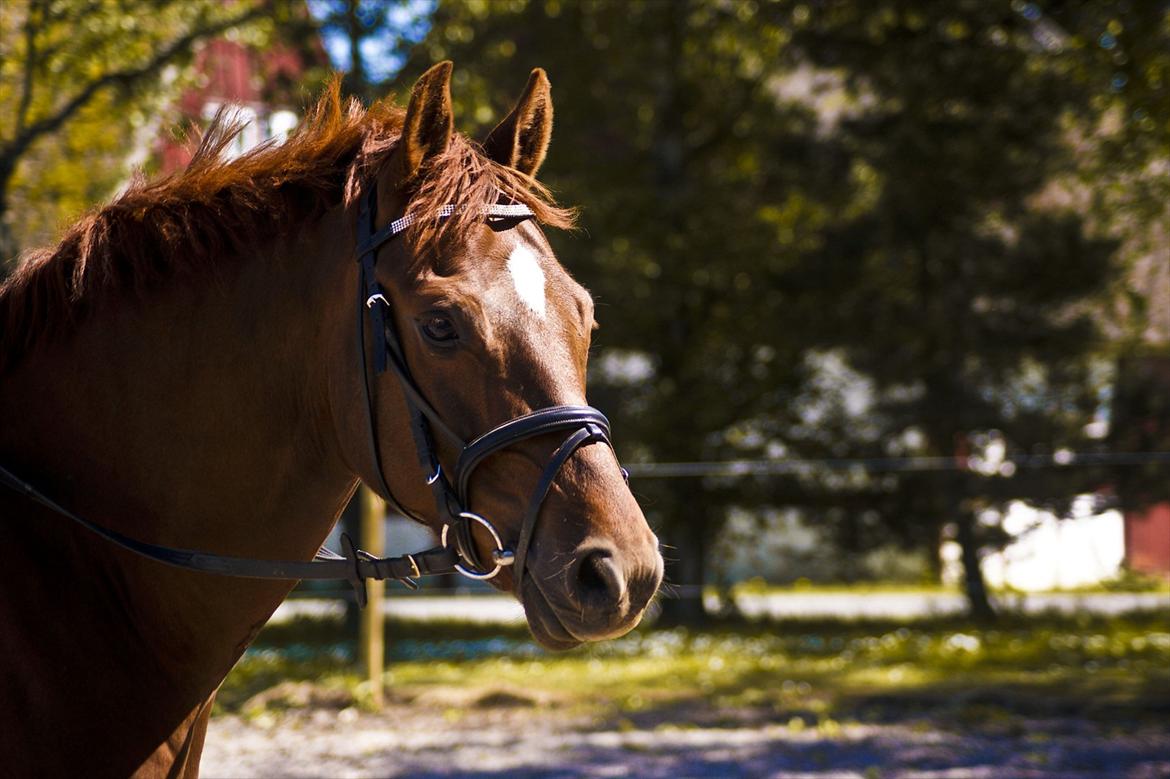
(377, 297)
(408, 581)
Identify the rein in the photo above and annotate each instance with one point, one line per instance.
(457, 550)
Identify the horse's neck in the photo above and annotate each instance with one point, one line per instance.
(196, 419)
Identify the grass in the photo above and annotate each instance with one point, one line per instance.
(803, 673)
(759, 586)
(1124, 582)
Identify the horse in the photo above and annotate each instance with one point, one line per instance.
(181, 370)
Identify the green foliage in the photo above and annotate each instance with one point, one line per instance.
(1119, 54)
(773, 189)
(700, 190)
(969, 298)
(61, 178)
(82, 85)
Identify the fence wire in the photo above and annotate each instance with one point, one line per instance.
(1004, 467)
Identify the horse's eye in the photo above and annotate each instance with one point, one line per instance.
(439, 329)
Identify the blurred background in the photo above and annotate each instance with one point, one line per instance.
(885, 300)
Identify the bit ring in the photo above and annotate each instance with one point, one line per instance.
(500, 555)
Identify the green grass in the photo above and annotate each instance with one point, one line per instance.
(759, 586)
(1125, 582)
(804, 673)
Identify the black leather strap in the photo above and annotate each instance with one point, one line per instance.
(326, 565)
(541, 422)
(588, 434)
(388, 354)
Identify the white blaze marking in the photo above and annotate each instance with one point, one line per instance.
(528, 278)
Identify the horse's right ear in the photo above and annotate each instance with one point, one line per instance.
(427, 130)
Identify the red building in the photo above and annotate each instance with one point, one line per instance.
(1147, 540)
(262, 87)
(1141, 424)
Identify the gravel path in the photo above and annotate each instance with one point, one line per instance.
(507, 740)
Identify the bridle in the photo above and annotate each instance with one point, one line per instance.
(584, 424)
(457, 551)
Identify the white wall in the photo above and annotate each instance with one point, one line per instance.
(1050, 553)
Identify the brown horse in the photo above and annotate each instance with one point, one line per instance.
(182, 369)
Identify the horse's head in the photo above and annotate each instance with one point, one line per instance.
(487, 327)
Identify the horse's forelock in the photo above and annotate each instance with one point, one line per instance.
(463, 176)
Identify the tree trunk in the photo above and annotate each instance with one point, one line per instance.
(9, 248)
(934, 560)
(686, 570)
(978, 604)
(356, 78)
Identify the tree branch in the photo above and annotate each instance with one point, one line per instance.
(12, 150)
(30, 64)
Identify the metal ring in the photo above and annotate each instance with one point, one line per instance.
(434, 477)
(497, 553)
(372, 299)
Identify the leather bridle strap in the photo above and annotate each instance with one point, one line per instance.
(326, 565)
(542, 422)
(581, 437)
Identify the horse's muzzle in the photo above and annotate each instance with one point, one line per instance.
(601, 594)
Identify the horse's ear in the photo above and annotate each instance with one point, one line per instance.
(427, 129)
(521, 140)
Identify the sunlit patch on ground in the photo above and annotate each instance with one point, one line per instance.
(1055, 697)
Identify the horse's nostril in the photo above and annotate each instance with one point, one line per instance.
(600, 582)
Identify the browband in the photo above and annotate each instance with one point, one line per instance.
(498, 211)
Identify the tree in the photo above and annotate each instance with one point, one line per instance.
(966, 297)
(741, 233)
(1120, 54)
(77, 79)
(698, 185)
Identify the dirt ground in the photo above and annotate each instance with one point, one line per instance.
(508, 735)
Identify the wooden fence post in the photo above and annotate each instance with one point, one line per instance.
(373, 647)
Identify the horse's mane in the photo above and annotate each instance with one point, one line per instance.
(215, 209)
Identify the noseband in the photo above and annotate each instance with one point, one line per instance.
(457, 552)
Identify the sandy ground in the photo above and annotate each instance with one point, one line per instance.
(510, 737)
(446, 732)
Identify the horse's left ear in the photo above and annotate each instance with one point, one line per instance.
(521, 140)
